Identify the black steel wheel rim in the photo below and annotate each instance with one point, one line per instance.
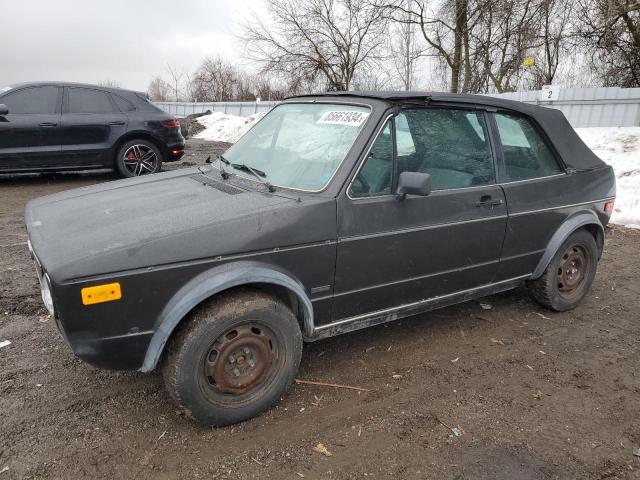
(573, 270)
(240, 364)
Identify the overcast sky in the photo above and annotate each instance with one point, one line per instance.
(126, 41)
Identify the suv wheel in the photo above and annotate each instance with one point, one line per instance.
(234, 358)
(569, 275)
(138, 157)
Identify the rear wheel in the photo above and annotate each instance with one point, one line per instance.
(569, 276)
(234, 358)
(138, 157)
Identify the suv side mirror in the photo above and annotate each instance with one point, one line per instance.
(3, 109)
(413, 183)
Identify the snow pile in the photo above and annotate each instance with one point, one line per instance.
(620, 148)
(226, 128)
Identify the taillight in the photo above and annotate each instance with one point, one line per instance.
(170, 123)
(608, 207)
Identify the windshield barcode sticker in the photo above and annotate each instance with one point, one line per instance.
(354, 119)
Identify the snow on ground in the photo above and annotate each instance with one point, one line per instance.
(620, 148)
(226, 128)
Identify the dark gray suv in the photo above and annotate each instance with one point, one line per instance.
(53, 126)
(333, 213)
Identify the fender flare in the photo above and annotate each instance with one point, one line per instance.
(210, 283)
(570, 225)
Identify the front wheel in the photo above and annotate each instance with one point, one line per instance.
(138, 157)
(569, 276)
(233, 358)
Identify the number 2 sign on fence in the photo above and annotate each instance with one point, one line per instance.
(550, 92)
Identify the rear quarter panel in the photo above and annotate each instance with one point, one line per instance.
(538, 207)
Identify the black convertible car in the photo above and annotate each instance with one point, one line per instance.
(334, 213)
(53, 126)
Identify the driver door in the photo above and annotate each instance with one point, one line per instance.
(393, 253)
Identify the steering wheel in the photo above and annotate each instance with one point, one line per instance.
(365, 187)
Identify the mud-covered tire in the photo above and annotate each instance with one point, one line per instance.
(132, 161)
(200, 367)
(556, 289)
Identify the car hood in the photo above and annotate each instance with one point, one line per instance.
(167, 218)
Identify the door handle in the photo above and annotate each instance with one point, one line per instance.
(117, 122)
(487, 201)
(48, 124)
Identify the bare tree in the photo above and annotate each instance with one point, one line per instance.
(556, 31)
(159, 90)
(507, 31)
(405, 49)
(175, 74)
(216, 80)
(109, 84)
(333, 39)
(445, 30)
(611, 33)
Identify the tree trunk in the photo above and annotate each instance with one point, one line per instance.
(460, 26)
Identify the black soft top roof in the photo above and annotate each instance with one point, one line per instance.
(568, 144)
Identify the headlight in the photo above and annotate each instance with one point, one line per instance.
(45, 288)
(45, 284)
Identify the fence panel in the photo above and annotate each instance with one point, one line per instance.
(583, 107)
(590, 107)
(242, 109)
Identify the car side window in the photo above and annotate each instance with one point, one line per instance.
(84, 100)
(451, 145)
(34, 100)
(123, 105)
(374, 178)
(526, 155)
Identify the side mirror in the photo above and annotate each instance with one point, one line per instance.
(3, 109)
(413, 183)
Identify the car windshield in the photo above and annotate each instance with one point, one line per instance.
(298, 145)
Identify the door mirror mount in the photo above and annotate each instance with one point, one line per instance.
(413, 183)
(3, 109)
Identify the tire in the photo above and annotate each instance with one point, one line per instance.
(234, 358)
(569, 275)
(138, 157)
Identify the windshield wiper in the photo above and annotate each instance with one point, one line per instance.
(259, 174)
(223, 173)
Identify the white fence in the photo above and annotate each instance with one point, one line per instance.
(589, 107)
(241, 109)
(584, 107)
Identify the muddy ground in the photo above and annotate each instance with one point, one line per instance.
(534, 394)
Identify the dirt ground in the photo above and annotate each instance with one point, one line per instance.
(533, 394)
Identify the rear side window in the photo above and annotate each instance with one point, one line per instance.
(526, 155)
(123, 105)
(43, 100)
(83, 100)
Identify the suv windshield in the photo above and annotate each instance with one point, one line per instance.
(299, 145)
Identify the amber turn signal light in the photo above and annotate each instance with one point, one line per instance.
(101, 293)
